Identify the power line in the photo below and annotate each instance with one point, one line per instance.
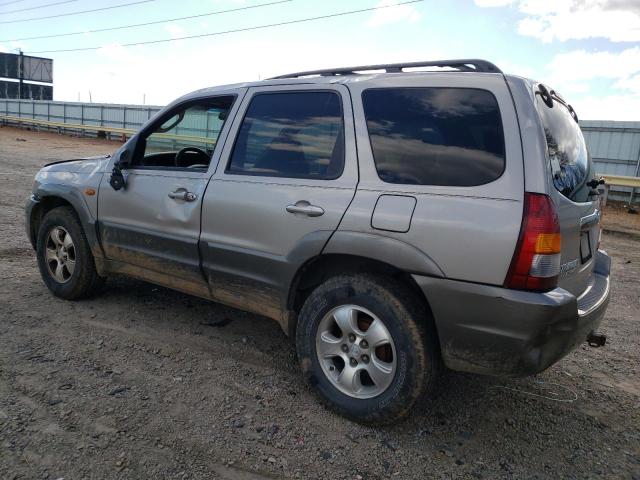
(9, 3)
(135, 25)
(237, 30)
(37, 7)
(78, 13)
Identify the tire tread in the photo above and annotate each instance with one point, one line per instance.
(418, 324)
(88, 282)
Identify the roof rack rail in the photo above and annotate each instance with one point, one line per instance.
(465, 65)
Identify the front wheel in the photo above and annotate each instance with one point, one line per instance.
(367, 346)
(64, 257)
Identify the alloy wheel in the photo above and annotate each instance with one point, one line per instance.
(60, 254)
(356, 351)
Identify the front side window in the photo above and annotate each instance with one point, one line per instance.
(187, 138)
(291, 134)
(567, 149)
(435, 136)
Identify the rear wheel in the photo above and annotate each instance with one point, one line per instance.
(64, 258)
(366, 345)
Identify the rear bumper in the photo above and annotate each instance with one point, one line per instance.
(493, 330)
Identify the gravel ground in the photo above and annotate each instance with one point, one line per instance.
(138, 383)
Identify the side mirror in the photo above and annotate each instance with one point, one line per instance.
(124, 160)
(117, 179)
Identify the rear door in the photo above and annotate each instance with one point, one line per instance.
(286, 176)
(569, 169)
(441, 169)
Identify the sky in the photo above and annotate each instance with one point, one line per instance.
(587, 50)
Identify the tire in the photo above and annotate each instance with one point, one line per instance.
(69, 282)
(414, 357)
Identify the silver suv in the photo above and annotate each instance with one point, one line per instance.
(391, 218)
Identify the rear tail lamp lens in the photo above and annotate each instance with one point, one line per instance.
(536, 260)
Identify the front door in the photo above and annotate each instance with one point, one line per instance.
(150, 228)
(287, 175)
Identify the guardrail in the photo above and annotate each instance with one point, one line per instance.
(610, 180)
(123, 132)
(618, 181)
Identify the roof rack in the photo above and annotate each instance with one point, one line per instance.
(465, 65)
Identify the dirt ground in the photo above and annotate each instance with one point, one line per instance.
(135, 384)
(616, 217)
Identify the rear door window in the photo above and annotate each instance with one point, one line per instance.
(568, 155)
(291, 134)
(435, 136)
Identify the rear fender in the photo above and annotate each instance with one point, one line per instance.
(389, 250)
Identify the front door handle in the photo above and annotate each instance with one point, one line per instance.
(183, 194)
(305, 208)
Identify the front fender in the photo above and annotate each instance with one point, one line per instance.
(44, 193)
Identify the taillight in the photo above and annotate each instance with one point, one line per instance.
(536, 261)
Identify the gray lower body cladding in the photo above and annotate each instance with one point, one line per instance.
(493, 330)
(28, 210)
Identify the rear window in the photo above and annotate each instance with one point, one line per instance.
(567, 149)
(435, 136)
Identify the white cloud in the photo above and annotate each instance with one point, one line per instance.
(608, 107)
(493, 3)
(581, 65)
(631, 84)
(386, 16)
(572, 74)
(548, 20)
(124, 74)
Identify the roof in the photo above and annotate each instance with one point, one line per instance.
(357, 73)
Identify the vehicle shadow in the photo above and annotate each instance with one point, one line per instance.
(478, 399)
(489, 426)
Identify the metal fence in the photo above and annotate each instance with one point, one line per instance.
(97, 114)
(614, 146)
(615, 149)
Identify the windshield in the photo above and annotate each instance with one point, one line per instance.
(570, 161)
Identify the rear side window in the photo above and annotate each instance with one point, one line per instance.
(567, 149)
(435, 136)
(292, 134)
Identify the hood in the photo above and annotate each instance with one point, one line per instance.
(84, 165)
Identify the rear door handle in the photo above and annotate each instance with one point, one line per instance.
(305, 208)
(183, 194)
